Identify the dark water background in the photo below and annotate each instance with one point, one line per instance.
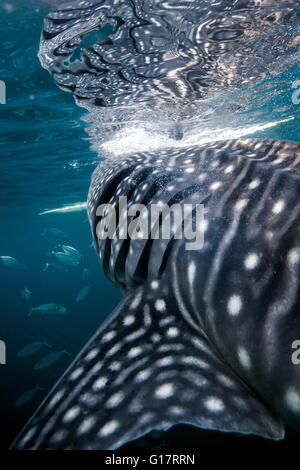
(46, 163)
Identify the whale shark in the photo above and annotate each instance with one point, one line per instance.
(204, 336)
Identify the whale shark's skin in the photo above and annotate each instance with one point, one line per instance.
(203, 336)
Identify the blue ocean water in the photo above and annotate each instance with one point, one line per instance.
(46, 163)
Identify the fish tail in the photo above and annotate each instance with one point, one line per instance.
(46, 267)
(31, 310)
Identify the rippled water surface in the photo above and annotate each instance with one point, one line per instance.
(142, 84)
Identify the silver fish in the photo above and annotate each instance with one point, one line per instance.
(72, 252)
(27, 396)
(50, 359)
(66, 258)
(12, 262)
(49, 309)
(26, 294)
(32, 348)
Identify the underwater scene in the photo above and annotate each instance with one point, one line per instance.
(203, 345)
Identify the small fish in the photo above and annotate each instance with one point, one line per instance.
(85, 274)
(50, 359)
(49, 309)
(32, 348)
(56, 268)
(12, 262)
(71, 251)
(67, 259)
(26, 294)
(82, 294)
(55, 233)
(76, 207)
(27, 396)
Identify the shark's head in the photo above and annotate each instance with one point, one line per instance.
(208, 331)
